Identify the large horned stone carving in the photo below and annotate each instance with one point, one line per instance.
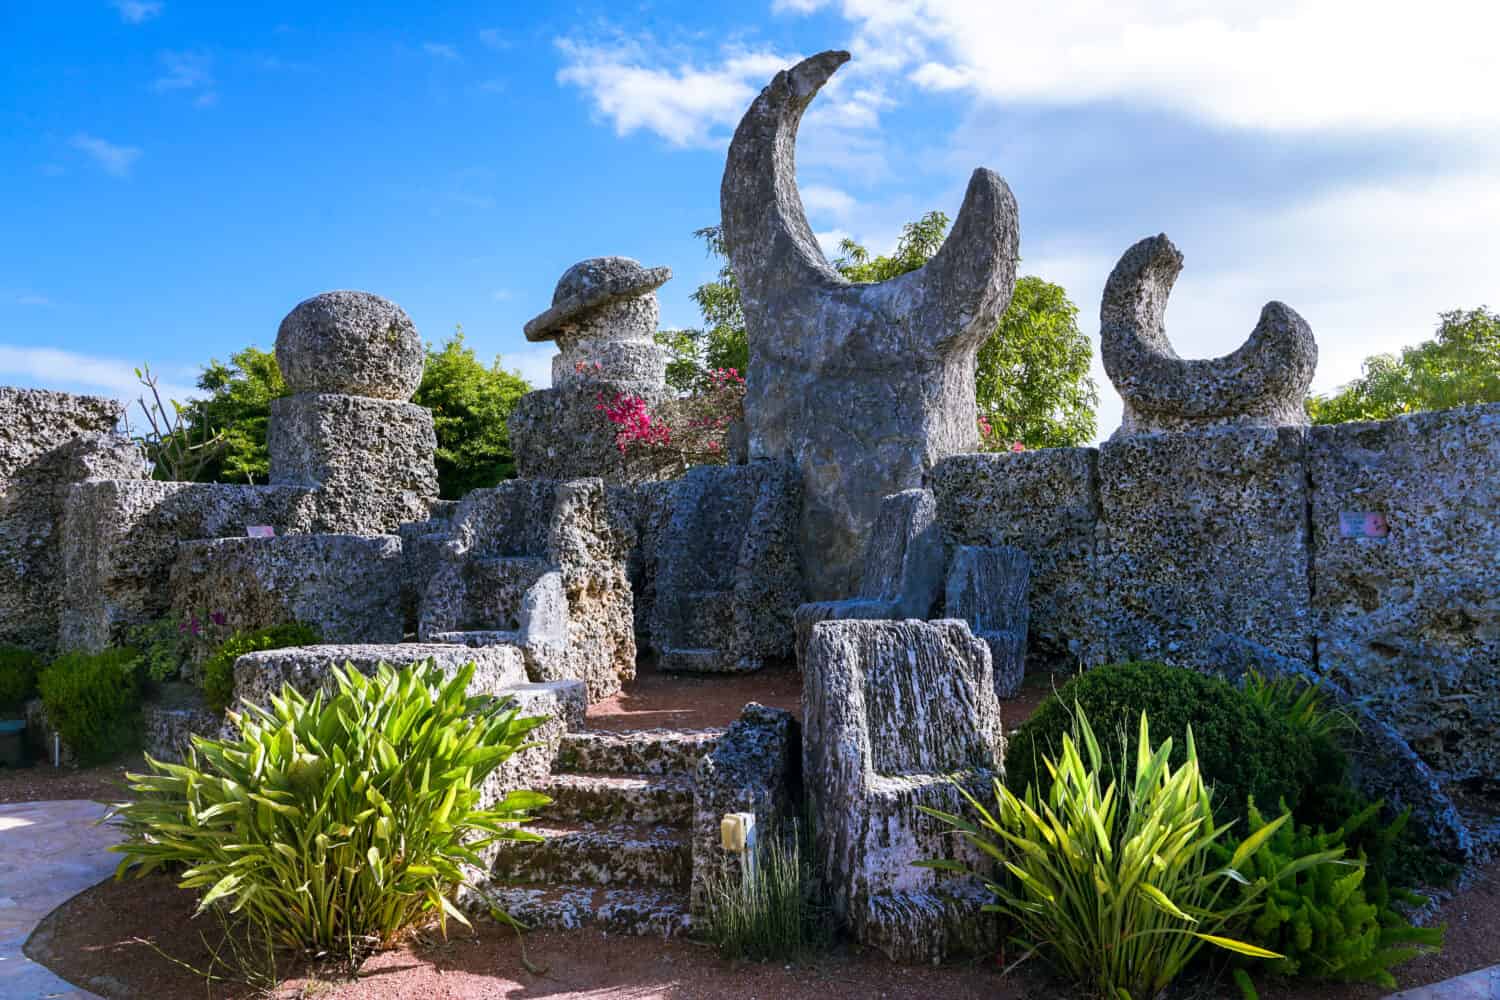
(1263, 384)
(863, 386)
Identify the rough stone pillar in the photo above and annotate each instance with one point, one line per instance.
(603, 317)
(352, 361)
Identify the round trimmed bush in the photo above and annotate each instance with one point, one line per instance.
(1244, 749)
(93, 700)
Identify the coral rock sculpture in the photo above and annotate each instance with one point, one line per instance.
(1263, 384)
(862, 386)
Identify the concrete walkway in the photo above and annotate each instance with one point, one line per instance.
(1481, 985)
(49, 852)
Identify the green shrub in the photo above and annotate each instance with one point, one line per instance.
(218, 669)
(1244, 750)
(1395, 855)
(1321, 919)
(1112, 876)
(18, 670)
(767, 911)
(161, 649)
(332, 825)
(93, 702)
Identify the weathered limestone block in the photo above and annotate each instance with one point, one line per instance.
(1263, 384)
(644, 511)
(558, 433)
(350, 343)
(309, 669)
(34, 422)
(1204, 536)
(348, 587)
(862, 387)
(174, 717)
(563, 550)
(728, 575)
(563, 703)
(987, 589)
(120, 540)
(421, 549)
(371, 460)
(1045, 503)
(1409, 621)
(33, 499)
(890, 710)
(751, 769)
(903, 569)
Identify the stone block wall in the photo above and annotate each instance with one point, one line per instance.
(1409, 623)
(121, 538)
(49, 441)
(558, 434)
(1223, 548)
(1045, 503)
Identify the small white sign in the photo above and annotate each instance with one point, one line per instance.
(1362, 524)
(260, 531)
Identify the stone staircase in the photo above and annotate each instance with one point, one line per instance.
(617, 853)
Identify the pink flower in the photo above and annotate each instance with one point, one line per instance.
(1017, 446)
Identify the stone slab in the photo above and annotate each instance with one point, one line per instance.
(1203, 540)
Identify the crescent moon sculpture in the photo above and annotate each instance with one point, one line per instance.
(1263, 384)
(861, 386)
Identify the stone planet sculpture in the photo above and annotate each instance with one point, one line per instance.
(1263, 384)
(862, 386)
(352, 344)
(603, 316)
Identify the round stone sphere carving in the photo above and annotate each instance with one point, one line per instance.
(350, 343)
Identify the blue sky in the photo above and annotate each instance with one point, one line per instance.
(174, 177)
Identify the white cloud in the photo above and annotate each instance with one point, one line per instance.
(502, 295)
(184, 71)
(686, 104)
(820, 200)
(49, 368)
(113, 159)
(1295, 65)
(137, 11)
(440, 50)
(797, 6)
(534, 364)
(32, 300)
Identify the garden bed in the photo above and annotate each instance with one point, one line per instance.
(105, 940)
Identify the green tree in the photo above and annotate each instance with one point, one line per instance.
(1032, 380)
(238, 407)
(1460, 365)
(471, 406)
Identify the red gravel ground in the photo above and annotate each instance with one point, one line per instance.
(106, 940)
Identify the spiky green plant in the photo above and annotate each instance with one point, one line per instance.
(766, 910)
(1116, 885)
(1304, 706)
(340, 820)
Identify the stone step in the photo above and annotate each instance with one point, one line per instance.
(619, 911)
(641, 751)
(477, 637)
(583, 798)
(678, 660)
(609, 854)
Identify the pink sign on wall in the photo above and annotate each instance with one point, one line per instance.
(1362, 524)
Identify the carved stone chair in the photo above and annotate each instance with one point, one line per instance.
(903, 569)
(987, 587)
(890, 711)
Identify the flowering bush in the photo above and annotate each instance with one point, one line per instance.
(694, 425)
